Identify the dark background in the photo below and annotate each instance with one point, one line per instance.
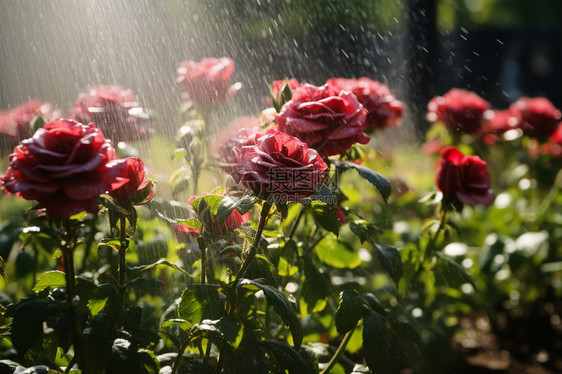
(501, 49)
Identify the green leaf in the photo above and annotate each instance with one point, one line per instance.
(27, 323)
(282, 306)
(288, 358)
(457, 268)
(200, 301)
(376, 341)
(140, 196)
(337, 253)
(37, 123)
(324, 216)
(380, 182)
(219, 331)
(135, 271)
(52, 279)
(96, 305)
(96, 342)
(144, 284)
(390, 259)
(211, 202)
(285, 269)
(182, 323)
(231, 203)
(315, 286)
(349, 311)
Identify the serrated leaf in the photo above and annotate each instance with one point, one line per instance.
(337, 253)
(224, 329)
(349, 311)
(231, 203)
(288, 358)
(324, 216)
(282, 306)
(285, 269)
(200, 301)
(390, 259)
(52, 279)
(380, 182)
(376, 341)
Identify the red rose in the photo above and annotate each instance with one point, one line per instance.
(134, 172)
(15, 124)
(325, 118)
(463, 178)
(233, 221)
(459, 110)
(555, 146)
(536, 117)
(246, 136)
(280, 166)
(383, 110)
(207, 82)
(114, 110)
(498, 123)
(65, 167)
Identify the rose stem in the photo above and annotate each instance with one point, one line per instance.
(203, 248)
(296, 222)
(121, 254)
(254, 248)
(339, 351)
(68, 258)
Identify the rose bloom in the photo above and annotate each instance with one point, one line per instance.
(327, 119)
(135, 174)
(232, 147)
(498, 123)
(536, 117)
(208, 82)
(383, 110)
(463, 178)
(233, 221)
(65, 167)
(281, 166)
(459, 110)
(15, 124)
(114, 110)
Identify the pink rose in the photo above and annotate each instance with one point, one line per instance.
(114, 110)
(208, 82)
(15, 124)
(459, 110)
(537, 117)
(325, 118)
(65, 167)
(280, 166)
(383, 110)
(463, 178)
(276, 86)
(500, 122)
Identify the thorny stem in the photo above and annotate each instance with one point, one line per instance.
(203, 248)
(339, 351)
(254, 248)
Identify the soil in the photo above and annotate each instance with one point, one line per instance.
(512, 345)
